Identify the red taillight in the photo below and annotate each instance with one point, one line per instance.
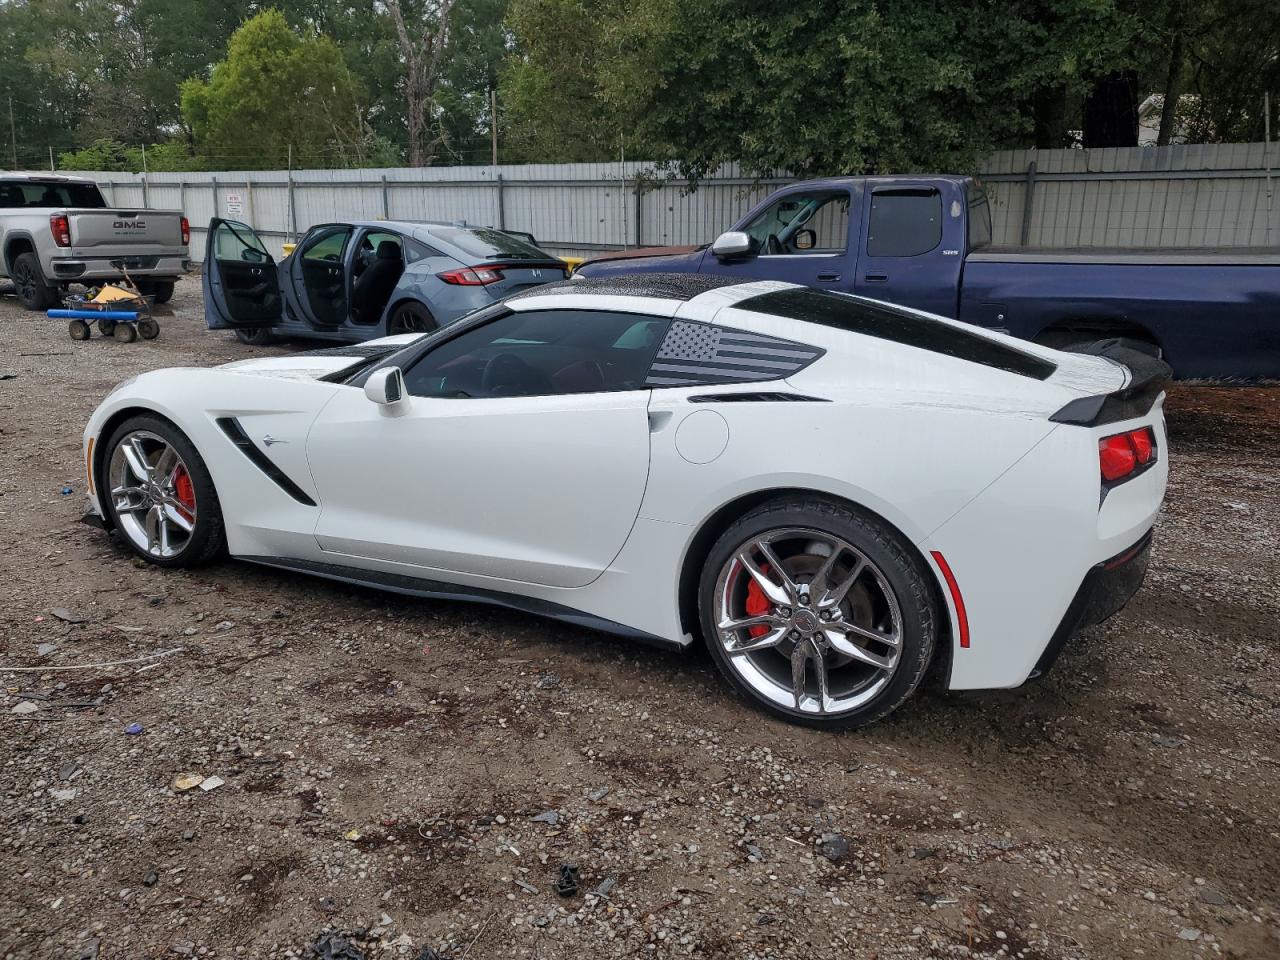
(60, 227)
(1121, 454)
(471, 276)
(186, 230)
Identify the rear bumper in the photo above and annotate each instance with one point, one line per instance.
(104, 268)
(1106, 588)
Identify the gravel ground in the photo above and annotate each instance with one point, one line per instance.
(409, 774)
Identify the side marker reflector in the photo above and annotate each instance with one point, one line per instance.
(962, 618)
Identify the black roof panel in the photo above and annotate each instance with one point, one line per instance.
(664, 286)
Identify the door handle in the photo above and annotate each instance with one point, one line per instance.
(828, 277)
(876, 277)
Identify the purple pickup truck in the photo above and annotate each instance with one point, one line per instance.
(925, 242)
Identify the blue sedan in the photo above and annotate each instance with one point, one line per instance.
(355, 281)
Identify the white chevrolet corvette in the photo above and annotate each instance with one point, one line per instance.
(830, 492)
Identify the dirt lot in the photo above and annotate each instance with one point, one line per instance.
(386, 761)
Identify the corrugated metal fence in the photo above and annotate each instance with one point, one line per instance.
(1177, 196)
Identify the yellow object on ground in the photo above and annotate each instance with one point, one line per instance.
(574, 262)
(111, 293)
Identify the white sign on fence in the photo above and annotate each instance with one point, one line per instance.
(235, 205)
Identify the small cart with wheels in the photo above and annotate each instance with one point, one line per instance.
(118, 310)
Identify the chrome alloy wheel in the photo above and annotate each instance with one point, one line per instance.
(152, 494)
(808, 621)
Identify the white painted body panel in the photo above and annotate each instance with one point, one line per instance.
(592, 501)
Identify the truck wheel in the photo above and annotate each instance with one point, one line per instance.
(161, 290)
(34, 291)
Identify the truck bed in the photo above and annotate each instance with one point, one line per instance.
(1146, 256)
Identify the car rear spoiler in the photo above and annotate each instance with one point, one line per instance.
(1148, 375)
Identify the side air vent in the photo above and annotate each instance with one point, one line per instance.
(235, 433)
(757, 397)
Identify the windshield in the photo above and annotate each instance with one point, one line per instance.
(488, 244)
(49, 193)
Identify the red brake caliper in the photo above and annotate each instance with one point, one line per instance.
(185, 490)
(757, 605)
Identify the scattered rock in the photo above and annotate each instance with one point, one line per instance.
(548, 817)
(25, 708)
(598, 794)
(833, 846)
(1214, 896)
(187, 781)
(1188, 933)
(62, 613)
(211, 783)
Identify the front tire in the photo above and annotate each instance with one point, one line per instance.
(160, 496)
(255, 336)
(818, 613)
(160, 290)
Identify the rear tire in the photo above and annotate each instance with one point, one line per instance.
(148, 329)
(841, 657)
(255, 336)
(410, 317)
(34, 291)
(79, 330)
(125, 332)
(207, 538)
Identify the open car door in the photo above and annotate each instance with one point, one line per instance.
(241, 283)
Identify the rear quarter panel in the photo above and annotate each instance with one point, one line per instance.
(1213, 320)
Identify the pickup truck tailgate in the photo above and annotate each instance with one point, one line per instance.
(137, 232)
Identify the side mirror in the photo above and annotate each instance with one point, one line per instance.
(731, 245)
(385, 387)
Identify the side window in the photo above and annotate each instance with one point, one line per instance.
(904, 223)
(327, 245)
(700, 354)
(979, 217)
(235, 241)
(535, 353)
(415, 251)
(801, 223)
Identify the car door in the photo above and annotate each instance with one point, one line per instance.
(913, 246)
(800, 236)
(317, 284)
(241, 283)
(522, 453)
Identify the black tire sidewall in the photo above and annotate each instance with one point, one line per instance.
(45, 296)
(206, 538)
(417, 310)
(254, 336)
(884, 547)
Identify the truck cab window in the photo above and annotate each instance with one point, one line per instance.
(904, 223)
(802, 223)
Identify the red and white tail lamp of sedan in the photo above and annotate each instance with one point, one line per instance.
(829, 492)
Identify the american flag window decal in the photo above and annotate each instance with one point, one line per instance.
(698, 354)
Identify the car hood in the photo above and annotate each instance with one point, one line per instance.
(643, 260)
(315, 364)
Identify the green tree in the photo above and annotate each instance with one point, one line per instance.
(812, 87)
(275, 91)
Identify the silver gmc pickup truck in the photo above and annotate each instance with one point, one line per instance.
(58, 230)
